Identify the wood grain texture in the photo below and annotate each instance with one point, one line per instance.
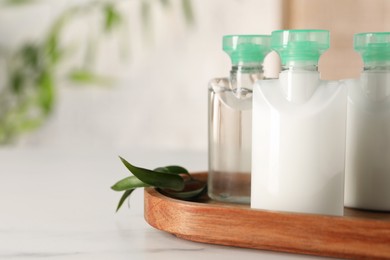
(358, 234)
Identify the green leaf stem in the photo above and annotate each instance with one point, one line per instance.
(125, 195)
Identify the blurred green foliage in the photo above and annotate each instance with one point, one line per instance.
(29, 95)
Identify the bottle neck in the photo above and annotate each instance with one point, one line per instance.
(376, 80)
(299, 80)
(243, 76)
(377, 66)
(300, 66)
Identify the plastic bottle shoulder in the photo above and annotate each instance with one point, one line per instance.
(271, 94)
(219, 84)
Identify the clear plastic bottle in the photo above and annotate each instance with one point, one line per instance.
(367, 172)
(298, 134)
(230, 118)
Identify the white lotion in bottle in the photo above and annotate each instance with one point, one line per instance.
(367, 172)
(298, 134)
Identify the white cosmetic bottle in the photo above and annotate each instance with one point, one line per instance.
(298, 134)
(367, 172)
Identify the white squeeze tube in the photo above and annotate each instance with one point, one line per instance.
(298, 131)
(367, 172)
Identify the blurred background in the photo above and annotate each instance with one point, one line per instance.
(132, 74)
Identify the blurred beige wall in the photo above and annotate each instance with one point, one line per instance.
(343, 18)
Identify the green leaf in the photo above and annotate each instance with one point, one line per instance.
(82, 76)
(146, 15)
(188, 11)
(29, 124)
(157, 179)
(172, 169)
(193, 188)
(17, 81)
(185, 195)
(31, 55)
(112, 17)
(165, 3)
(46, 91)
(51, 44)
(52, 48)
(18, 2)
(128, 183)
(125, 195)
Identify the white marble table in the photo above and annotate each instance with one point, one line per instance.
(58, 205)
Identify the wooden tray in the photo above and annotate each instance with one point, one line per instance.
(358, 234)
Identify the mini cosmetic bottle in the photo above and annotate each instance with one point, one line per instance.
(230, 118)
(367, 173)
(298, 136)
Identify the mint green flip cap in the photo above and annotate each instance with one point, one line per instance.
(373, 46)
(246, 48)
(300, 45)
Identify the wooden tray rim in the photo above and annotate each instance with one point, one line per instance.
(173, 216)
